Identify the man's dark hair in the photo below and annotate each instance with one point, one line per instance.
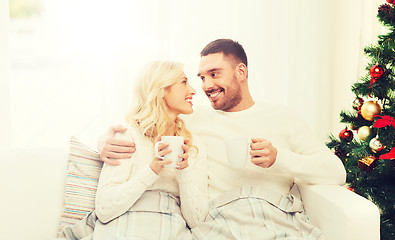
(228, 47)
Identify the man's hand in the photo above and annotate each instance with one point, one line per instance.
(112, 148)
(263, 153)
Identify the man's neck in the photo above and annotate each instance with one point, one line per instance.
(243, 105)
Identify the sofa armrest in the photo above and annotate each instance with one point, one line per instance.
(32, 192)
(340, 213)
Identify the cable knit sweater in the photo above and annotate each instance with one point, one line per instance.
(121, 186)
(299, 154)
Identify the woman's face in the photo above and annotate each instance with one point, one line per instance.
(178, 97)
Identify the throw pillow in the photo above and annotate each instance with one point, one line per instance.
(83, 171)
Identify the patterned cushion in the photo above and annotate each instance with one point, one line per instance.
(83, 171)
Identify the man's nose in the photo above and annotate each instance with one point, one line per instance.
(207, 84)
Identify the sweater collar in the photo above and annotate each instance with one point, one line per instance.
(239, 113)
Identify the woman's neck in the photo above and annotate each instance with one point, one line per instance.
(170, 128)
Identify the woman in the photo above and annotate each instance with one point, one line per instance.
(141, 198)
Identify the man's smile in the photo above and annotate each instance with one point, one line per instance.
(214, 94)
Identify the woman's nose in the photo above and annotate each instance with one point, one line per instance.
(192, 90)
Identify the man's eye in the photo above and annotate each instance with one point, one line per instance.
(214, 74)
(202, 77)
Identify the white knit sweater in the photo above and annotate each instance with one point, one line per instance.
(121, 186)
(299, 155)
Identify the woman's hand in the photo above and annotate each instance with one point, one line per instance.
(157, 164)
(184, 162)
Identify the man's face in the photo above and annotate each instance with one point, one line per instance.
(219, 82)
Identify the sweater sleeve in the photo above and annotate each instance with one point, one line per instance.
(193, 186)
(118, 190)
(308, 158)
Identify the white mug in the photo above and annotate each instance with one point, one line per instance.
(237, 149)
(175, 144)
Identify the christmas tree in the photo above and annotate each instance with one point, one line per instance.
(367, 143)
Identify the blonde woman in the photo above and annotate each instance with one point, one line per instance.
(141, 198)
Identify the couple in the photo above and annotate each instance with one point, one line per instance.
(254, 202)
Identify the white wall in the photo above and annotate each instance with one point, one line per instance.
(83, 54)
(5, 102)
(326, 43)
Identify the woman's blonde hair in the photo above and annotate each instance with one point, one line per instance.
(148, 111)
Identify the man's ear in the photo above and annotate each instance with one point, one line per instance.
(241, 72)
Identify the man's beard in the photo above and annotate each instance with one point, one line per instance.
(232, 97)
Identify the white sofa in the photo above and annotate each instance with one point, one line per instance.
(33, 181)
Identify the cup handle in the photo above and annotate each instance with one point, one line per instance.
(156, 149)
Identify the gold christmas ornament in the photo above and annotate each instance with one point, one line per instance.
(364, 132)
(369, 109)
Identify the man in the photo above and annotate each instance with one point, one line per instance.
(254, 202)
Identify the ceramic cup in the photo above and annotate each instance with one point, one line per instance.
(175, 144)
(237, 149)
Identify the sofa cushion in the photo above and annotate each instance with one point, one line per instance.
(83, 171)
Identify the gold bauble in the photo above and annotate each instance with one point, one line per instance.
(363, 132)
(369, 109)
